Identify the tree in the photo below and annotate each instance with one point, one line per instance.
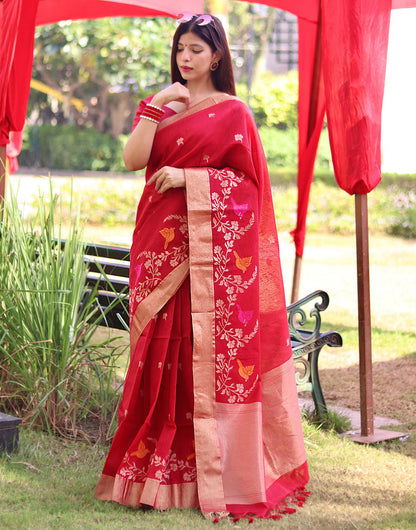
(249, 27)
(108, 63)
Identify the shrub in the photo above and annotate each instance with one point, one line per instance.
(331, 421)
(281, 149)
(403, 212)
(112, 202)
(274, 100)
(52, 372)
(68, 147)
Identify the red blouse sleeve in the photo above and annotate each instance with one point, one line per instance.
(139, 110)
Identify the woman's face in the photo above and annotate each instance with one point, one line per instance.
(194, 57)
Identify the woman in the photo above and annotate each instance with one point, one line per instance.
(209, 416)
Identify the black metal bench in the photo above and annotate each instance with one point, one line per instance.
(108, 270)
(307, 342)
(109, 266)
(9, 433)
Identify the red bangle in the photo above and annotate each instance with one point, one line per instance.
(147, 118)
(153, 112)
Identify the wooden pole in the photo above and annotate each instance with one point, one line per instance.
(368, 433)
(364, 315)
(3, 176)
(296, 280)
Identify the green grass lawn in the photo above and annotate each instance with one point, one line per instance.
(50, 484)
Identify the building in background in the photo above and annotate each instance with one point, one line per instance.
(283, 46)
(399, 108)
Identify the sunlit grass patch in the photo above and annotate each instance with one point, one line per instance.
(50, 484)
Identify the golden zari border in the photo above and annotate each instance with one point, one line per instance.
(208, 454)
(154, 302)
(151, 493)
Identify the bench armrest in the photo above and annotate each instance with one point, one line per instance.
(297, 317)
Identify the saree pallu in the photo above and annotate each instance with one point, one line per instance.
(209, 415)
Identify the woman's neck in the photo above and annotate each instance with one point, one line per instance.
(200, 91)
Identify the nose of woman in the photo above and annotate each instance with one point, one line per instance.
(186, 55)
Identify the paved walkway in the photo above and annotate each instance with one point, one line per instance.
(353, 415)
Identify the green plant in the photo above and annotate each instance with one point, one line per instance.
(331, 421)
(403, 213)
(275, 100)
(52, 373)
(71, 147)
(281, 149)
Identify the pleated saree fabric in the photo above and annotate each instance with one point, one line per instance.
(209, 416)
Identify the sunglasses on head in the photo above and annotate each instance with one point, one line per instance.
(201, 20)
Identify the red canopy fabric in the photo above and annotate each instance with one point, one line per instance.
(16, 58)
(354, 85)
(353, 75)
(13, 149)
(311, 109)
(396, 4)
(350, 31)
(55, 10)
(18, 19)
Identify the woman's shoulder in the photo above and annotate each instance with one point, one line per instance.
(230, 100)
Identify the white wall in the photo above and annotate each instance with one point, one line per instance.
(399, 107)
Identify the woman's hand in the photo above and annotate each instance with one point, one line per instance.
(137, 150)
(175, 92)
(166, 178)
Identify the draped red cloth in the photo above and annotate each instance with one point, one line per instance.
(311, 111)
(353, 29)
(51, 11)
(18, 19)
(209, 415)
(17, 31)
(13, 149)
(354, 85)
(343, 46)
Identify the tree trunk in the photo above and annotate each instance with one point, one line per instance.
(260, 56)
(119, 111)
(218, 7)
(101, 110)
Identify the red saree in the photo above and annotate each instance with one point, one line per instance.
(209, 416)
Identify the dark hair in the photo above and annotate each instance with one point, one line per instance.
(214, 35)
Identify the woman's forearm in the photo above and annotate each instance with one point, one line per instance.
(137, 150)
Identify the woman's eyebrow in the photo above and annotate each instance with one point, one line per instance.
(192, 44)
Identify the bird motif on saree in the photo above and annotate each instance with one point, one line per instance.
(242, 263)
(168, 234)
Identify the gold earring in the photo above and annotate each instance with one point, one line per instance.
(214, 66)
